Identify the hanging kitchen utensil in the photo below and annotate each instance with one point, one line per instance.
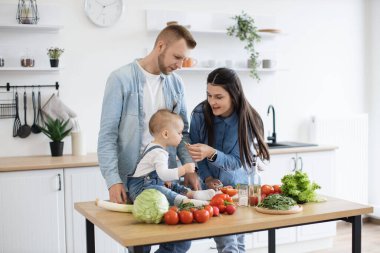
(35, 128)
(17, 123)
(25, 129)
(7, 107)
(40, 119)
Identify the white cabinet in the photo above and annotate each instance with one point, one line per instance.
(85, 184)
(32, 215)
(320, 166)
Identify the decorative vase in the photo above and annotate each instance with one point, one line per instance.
(56, 148)
(27, 12)
(54, 63)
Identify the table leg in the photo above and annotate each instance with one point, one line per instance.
(356, 234)
(137, 249)
(90, 237)
(272, 240)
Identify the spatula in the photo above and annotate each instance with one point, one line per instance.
(17, 123)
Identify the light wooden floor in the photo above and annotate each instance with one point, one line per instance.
(342, 241)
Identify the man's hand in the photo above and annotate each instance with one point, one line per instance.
(191, 180)
(117, 194)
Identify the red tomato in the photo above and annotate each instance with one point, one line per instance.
(253, 200)
(229, 199)
(215, 210)
(267, 189)
(277, 188)
(171, 217)
(232, 192)
(263, 196)
(202, 215)
(216, 201)
(224, 189)
(174, 208)
(230, 209)
(222, 208)
(186, 217)
(210, 210)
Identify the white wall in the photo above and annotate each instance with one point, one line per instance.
(374, 101)
(323, 53)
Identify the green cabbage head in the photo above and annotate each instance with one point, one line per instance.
(150, 206)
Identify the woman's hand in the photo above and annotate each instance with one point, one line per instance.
(213, 183)
(200, 151)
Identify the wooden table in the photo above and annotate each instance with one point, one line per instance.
(128, 232)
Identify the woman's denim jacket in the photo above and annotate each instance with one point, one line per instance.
(227, 166)
(122, 121)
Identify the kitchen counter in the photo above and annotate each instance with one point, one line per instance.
(20, 163)
(279, 151)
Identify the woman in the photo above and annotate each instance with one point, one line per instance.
(227, 135)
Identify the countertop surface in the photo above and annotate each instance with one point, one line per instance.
(124, 228)
(20, 163)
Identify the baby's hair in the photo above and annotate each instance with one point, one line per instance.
(162, 119)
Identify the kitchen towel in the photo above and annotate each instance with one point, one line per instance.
(54, 108)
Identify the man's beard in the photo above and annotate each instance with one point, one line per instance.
(161, 65)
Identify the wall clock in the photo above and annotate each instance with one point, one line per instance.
(104, 13)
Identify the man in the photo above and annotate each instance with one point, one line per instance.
(133, 93)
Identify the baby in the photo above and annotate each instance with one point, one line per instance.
(152, 170)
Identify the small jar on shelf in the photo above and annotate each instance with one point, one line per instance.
(27, 60)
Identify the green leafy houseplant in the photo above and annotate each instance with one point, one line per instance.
(56, 131)
(55, 52)
(245, 29)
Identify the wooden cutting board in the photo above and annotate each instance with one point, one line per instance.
(295, 209)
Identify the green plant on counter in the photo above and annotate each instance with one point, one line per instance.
(246, 31)
(56, 129)
(55, 52)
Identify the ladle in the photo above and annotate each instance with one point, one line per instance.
(25, 129)
(35, 128)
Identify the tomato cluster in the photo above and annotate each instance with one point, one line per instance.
(267, 190)
(224, 203)
(188, 214)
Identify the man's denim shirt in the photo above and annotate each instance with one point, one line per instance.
(227, 167)
(122, 122)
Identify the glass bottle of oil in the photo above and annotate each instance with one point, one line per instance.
(254, 183)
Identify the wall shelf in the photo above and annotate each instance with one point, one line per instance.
(33, 69)
(31, 27)
(204, 22)
(195, 69)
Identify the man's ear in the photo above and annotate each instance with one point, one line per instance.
(161, 45)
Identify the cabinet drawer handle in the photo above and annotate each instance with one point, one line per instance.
(300, 159)
(59, 182)
(294, 164)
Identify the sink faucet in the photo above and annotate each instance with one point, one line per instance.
(273, 137)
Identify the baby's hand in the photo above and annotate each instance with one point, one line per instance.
(189, 167)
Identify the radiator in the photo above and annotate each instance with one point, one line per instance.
(350, 134)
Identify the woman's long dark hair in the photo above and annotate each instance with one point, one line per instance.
(251, 126)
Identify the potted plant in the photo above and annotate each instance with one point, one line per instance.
(245, 29)
(54, 53)
(56, 131)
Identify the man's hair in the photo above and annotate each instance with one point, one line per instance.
(162, 119)
(173, 33)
